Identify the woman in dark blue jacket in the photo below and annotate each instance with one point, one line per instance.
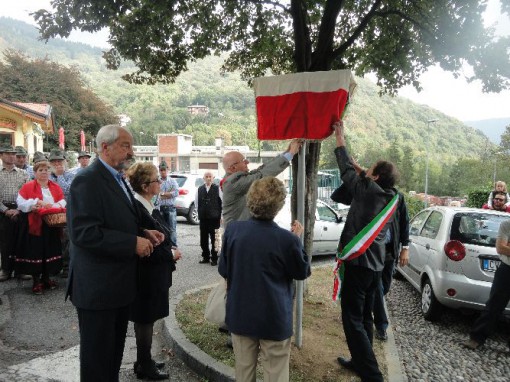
(259, 260)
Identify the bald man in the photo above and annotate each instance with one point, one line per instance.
(238, 179)
(208, 204)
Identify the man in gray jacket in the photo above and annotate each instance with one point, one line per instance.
(238, 179)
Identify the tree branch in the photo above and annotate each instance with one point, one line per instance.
(273, 3)
(302, 43)
(405, 17)
(326, 35)
(361, 27)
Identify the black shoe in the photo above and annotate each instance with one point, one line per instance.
(214, 262)
(381, 335)
(159, 365)
(344, 362)
(204, 261)
(150, 371)
(229, 343)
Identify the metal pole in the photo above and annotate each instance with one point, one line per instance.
(494, 174)
(298, 330)
(426, 175)
(427, 164)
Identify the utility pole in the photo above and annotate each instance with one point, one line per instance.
(427, 164)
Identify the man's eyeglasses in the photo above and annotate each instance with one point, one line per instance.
(244, 160)
(154, 181)
(500, 200)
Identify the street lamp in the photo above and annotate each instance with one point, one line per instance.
(141, 140)
(427, 164)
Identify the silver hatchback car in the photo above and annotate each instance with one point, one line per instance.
(452, 257)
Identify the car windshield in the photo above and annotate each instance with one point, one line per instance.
(476, 228)
(179, 179)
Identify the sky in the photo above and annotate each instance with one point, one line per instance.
(441, 91)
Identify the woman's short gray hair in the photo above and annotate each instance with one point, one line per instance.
(266, 197)
(108, 134)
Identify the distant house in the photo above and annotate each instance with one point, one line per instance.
(24, 124)
(198, 110)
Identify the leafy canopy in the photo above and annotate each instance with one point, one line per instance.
(395, 39)
(76, 107)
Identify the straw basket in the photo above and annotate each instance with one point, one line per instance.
(55, 220)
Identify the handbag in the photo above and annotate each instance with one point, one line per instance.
(218, 235)
(216, 306)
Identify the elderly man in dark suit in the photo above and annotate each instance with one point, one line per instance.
(106, 238)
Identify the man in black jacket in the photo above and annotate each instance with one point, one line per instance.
(371, 192)
(208, 204)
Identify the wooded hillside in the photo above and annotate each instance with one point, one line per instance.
(377, 126)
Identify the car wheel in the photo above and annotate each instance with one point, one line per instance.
(192, 215)
(430, 307)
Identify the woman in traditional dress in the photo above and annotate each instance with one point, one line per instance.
(39, 249)
(154, 271)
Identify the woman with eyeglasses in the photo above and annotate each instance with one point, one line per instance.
(154, 272)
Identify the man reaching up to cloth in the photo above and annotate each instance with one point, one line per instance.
(362, 250)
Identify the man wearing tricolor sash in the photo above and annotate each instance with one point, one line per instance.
(361, 252)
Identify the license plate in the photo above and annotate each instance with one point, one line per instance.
(490, 265)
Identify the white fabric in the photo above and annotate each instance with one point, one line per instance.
(317, 82)
(148, 205)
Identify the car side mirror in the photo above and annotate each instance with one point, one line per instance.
(339, 219)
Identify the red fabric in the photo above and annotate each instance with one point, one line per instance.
(61, 138)
(33, 190)
(307, 115)
(82, 140)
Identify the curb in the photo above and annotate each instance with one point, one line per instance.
(197, 360)
(395, 372)
(215, 371)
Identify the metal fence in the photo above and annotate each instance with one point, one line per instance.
(327, 182)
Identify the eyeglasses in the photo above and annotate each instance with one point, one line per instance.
(244, 160)
(499, 199)
(155, 181)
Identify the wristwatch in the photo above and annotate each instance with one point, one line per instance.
(405, 247)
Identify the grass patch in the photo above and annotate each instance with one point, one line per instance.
(323, 336)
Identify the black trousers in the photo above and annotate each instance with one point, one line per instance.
(357, 300)
(207, 227)
(380, 315)
(495, 305)
(8, 235)
(102, 338)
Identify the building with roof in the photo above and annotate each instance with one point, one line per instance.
(24, 124)
(181, 156)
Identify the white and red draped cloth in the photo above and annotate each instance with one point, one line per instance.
(301, 105)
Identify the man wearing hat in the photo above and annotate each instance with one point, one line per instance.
(59, 174)
(169, 191)
(11, 180)
(21, 161)
(83, 161)
(64, 178)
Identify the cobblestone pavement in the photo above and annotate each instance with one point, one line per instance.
(434, 352)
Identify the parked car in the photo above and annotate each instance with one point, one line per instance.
(452, 257)
(185, 202)
(327, 229)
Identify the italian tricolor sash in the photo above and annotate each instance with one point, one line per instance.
(360, 243)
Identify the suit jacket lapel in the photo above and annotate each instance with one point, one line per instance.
(115, 187)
